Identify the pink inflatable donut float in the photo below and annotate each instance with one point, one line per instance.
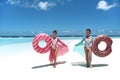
(39, 38)
(96, 42)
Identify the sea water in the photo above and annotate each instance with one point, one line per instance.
(7, 41)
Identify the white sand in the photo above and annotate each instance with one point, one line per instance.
(17, 60)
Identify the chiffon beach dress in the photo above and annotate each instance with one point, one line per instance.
(62, 48)
(87, 42)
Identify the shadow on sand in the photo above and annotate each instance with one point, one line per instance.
(83, 64)
(46, 65)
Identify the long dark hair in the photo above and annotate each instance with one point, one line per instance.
(89, 31)
(55, 31)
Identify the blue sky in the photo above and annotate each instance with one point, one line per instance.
(63, 15)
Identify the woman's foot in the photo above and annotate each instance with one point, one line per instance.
(54, 65)
(89, 66)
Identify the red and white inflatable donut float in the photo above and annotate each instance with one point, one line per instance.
(39, 38)
(96, 42)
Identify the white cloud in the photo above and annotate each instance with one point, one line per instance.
(46, 5)
(103, 5)
(13, 2)
(37, 4)
(63, 1)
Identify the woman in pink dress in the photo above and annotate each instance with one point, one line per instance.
(57, 48)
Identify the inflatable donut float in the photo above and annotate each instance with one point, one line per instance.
(39, 38)
(108, 48)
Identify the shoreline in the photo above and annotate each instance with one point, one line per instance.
(58, 36)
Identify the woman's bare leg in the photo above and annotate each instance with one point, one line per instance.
(87, 58)
(53, 53)
(90, 57)
(56, 52)
(52, 50)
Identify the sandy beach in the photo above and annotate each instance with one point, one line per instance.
(17, 60)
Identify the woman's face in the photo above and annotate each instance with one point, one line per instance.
(54, 35)
(88, 33)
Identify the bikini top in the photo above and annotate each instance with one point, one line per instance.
(88, 40)
(54, 41)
